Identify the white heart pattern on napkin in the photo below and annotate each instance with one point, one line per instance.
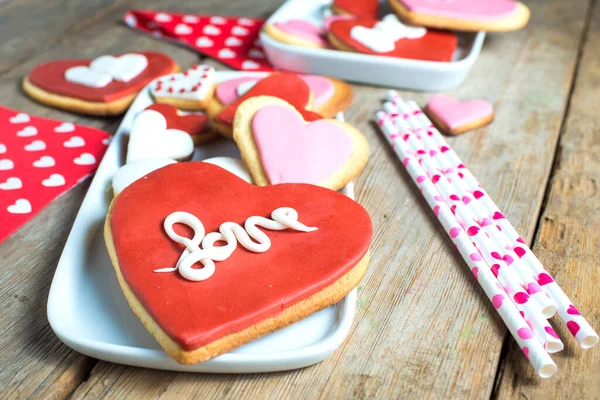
(74, 141)
(65, 127)
(27, 131)
(20, 118)
(11, 183)
(150, 138)
(44, 162)
(54, 180)
(36, 145)
(21, 206)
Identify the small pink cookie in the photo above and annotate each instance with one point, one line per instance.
(298, 32)
(455, 117)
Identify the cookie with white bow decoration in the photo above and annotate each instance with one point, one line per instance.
(105, 85)
(150, 138)
(286, 255)
(188, 90)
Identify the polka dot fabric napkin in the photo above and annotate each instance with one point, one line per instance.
(231, 40)
(40, 159)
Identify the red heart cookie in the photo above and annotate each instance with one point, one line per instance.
(359, 8)
(192, 123)
(286, 86)
(432, 46)
(47, 83)
(249, 294)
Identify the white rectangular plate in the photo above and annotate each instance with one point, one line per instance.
(89, 313)
(366, 68)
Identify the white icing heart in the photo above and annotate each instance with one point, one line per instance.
(44, 162)
(19, 118)
(233, 41)
(87, 76)
(65, 127)
(193, 84)
(239, 31)
(162, 17)
(218, 20)
(36, 145)
(249, 64)
(27, 131)
(190, 19)
(2, 148)
(6, 164)
(374, 39)
(85, 159)
(203, 41)
(11, 183)
(226, 53)
(54, 180)
(21, 206)
(75, 141)
(211, 30)
(243, 87)
(245, 21)
(183, 29)
(130, 173)
(150, 138)
(397, 30)
(255, 53)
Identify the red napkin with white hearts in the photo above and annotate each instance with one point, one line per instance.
(40, 159)
(231, 40)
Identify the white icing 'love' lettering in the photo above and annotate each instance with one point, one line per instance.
(201, 248)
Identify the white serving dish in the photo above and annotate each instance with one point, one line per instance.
(89, 313)
(364, 68)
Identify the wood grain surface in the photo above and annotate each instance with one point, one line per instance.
(423, 328)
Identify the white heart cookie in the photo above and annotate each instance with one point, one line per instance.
(193, 84)
(130, 173)
(87, 76)
(104, 69)
(150, 138)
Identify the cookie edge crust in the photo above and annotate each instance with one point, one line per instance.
(330, 295)
(277, 34)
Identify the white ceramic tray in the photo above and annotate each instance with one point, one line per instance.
(365, 68)
(88, 312)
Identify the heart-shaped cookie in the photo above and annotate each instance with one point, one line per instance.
(359, 8)
(249, 294)
(104, 86)
(455, 117)
(298, 32)
(283, 85)
(192, 123)
(463, 15)
(150, 138)
(279, 146)
(188, 90)
(393, 39)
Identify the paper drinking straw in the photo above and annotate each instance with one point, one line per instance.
(567, 312)
(516, 324)
(500, 267)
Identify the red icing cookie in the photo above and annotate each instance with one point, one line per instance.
(360, 8)
(192, 123)
(286, 86)
(50, 77)
(433, 46)
(247, 288)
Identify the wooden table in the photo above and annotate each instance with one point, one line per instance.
(423, 328)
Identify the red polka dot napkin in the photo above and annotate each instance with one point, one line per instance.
(231, 40)
(40, 159)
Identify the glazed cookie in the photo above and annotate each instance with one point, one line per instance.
(195, 124)
(279, 146)
(330, 95)
(150, 138)
(104, 86)
(298, 32)
(454, 117)
(463, 15)
(292, 250)
(358, 8)
(286, 86)
(389, 37)
(188, 90)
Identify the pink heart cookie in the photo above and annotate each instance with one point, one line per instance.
(298, 32)
(279, 146)
(455, 117)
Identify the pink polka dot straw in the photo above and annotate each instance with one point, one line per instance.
(519, 287)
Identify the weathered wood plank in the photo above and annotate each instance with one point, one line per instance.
(567, 241)
(423, 329)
